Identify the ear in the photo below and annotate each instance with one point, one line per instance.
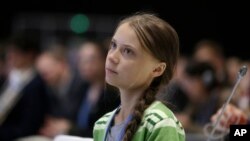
(159, 69)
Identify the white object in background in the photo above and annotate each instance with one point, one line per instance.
(71, 138)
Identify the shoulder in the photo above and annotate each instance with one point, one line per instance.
(104, 118)
(159, 110)
(103, 121)
(158, 116)
(100, 126)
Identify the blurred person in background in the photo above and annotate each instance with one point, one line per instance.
(76, 102)
(232, 115)
(212, 52)
(22, 98)
(97, 97)
(200, 86)
(63, 89)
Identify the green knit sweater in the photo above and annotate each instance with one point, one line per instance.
(158, 124)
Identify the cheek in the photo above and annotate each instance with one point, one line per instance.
(136, 74)
(130, 73)
(129, 68)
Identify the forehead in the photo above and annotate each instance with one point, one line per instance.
(126, 35)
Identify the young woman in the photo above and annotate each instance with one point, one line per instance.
(142, 57)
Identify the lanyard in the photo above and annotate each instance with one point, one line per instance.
(120, 137)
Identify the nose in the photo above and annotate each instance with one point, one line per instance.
(113, 56)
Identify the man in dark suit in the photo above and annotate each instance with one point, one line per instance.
(75, 106)
(63, 87)
(22, 99)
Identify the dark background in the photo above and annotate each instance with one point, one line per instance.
(225, 22)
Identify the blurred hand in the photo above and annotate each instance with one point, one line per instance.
(54, 127)
(232, 115)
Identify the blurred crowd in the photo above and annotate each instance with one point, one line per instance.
(57, 89)
(202, 84)
(43, 94)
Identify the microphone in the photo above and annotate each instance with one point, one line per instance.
(242, 72)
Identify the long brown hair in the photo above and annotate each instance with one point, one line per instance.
(161, 40)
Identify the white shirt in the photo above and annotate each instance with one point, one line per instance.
(17, 80)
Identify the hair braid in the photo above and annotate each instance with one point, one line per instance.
(145, 101)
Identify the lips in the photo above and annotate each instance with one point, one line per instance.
(111, 71)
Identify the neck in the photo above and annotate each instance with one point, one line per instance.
(128, 101)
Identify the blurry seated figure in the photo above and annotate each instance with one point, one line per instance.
(231, 115)
(198, 94)
(22, 98)
(97, 98)
(200, 85)
(211, 52)
(76, 102)
(63, 88)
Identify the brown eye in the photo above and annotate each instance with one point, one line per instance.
(127, 51)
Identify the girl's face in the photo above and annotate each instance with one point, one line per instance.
(128, 64)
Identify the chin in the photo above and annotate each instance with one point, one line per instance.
(110, 82)
(113, 82)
